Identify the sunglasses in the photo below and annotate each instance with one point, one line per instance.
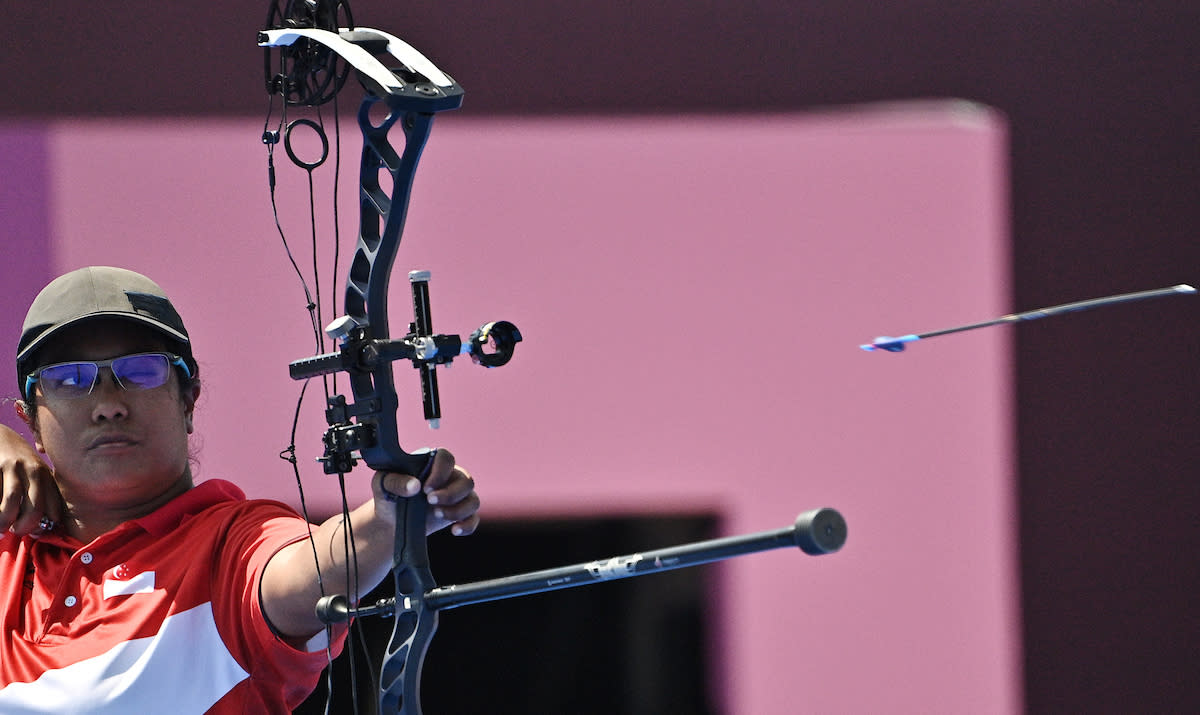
(70, 380)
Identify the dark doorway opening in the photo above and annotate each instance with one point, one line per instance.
(635, 645)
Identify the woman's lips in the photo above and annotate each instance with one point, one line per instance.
(111, 441)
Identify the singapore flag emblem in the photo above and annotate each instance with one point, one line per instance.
(121, 582)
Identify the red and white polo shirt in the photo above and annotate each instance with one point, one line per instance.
(161, 614)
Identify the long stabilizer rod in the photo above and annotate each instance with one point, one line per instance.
(816, 532)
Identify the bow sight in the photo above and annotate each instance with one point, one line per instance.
(491, 345)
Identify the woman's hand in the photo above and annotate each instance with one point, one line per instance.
(29, 499)
(449, 489)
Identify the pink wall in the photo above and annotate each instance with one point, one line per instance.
(692, 292)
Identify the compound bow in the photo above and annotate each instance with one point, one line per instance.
(311, 49)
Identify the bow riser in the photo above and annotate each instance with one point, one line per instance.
(367, 289)
(367, 292)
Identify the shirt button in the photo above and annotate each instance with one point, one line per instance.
(86, 557)
(70, 601)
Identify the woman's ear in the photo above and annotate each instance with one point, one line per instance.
(191, 394)
(28, 414)
(21, 407)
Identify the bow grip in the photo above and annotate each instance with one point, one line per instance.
(416, 624)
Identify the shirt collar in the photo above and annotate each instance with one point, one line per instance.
(163, 520)
(195, 500)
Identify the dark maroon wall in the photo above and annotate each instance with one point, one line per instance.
(1105, 110)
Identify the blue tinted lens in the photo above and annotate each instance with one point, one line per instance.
(71, 379)
(142, 372)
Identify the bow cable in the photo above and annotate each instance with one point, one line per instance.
(294, 82)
